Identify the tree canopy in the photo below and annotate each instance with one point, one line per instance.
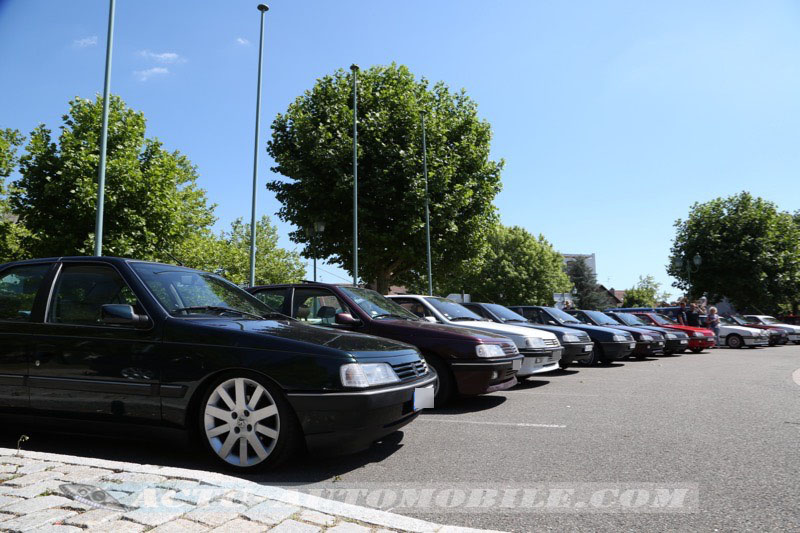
(643, 294)
(517, 268)
(153, 202)
(228, 253)
(312, 146)
(750, 252)
(587, 293)
(11, 232)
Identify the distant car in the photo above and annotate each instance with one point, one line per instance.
(777, 335)
(733, 335)
(648, 342)
(675, 342)
(577, 344)
(699, 338)
(468, 362)
(119, 343)
(541, 349)
(772, 321)
(610, 344)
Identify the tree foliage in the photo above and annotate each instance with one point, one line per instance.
(152, 201)
(750, 253)
(587, 293)
(229, 254)
(312, 146)
(517, 268)
(643, 294)
(11, 232)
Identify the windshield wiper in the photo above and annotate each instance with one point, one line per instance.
(392, 315)
(218, 309)
(456, 319)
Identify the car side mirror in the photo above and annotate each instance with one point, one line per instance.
(122, 315)
(430, 319)
(552, 322)
(346, 319)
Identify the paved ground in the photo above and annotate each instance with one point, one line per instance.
(724, 425)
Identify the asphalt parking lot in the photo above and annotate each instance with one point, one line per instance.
(725, 422)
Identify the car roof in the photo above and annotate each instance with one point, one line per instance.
(89, 259)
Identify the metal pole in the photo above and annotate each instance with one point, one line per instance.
(427, 206)
(315, 269)
(354, 68)
(101, 174)
(263, 8)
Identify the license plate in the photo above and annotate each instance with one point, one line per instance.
(632, 345)
(516, 364)
(587, 348)
(423, 397)
(660, 343)
(539, 360)
(684, 341)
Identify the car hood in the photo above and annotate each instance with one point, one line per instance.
(515, 333)
(552, 329)
(741, 330)
(428, 330)
(630, 329)
(254, 333)
(601, 330)
(690, 329)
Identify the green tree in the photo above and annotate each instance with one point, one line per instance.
(588, 294)
(229, 254)
(750, 253)
(312, 146)
(152, 204)
(518, 268)
(643, 294)
(11, 231)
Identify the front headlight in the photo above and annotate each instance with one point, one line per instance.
(697, 334)
(619, 338)
(570, 338)
(764, 333)
(489, 350)
(647, 338)
(534, 342)
(363, 375)
(670, 336)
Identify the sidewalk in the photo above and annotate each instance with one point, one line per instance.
(59, 493)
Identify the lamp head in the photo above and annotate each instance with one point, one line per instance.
(354, 67)
(263, 8)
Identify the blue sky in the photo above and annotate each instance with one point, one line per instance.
(612, 117)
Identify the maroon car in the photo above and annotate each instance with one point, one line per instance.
(468, 362)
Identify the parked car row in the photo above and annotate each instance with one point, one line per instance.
(255, 375)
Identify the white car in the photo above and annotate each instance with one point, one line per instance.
(733, 335)
(772, 321)
(541, 349)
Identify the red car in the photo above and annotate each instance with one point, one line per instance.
(699, 338)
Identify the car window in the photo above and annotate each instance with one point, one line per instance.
(18, 288)
(274, 298)
(409, 304)
(317, 306)
(82, 290)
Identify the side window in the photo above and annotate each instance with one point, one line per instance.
(477, 309)
(18, 288)
(317, 306)
(82, 290)
(273, 298)
(413, 306)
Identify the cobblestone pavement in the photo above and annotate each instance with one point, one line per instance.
(59, 493)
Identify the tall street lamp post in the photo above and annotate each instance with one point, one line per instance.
(318, 228)
(691, 267)
(262, 8)
(101, 174)
(354, 69)
(427, 204)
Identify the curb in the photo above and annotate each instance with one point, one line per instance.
(373, 517)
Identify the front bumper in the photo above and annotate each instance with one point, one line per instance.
(347, 422)
(701, 342)
(794, 337)
(577, 351)
(756, 341)
(617, 350)
(675, 345)
(648, 347)
(481, 376)
(539, 361)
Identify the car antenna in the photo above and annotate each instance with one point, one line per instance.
(180, 263)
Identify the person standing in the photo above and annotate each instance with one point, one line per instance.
(713, 323)
(693, 316)
(681, 315)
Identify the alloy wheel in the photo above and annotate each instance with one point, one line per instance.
(241, 422)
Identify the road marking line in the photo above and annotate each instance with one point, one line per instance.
(520, 424)
(796, 376)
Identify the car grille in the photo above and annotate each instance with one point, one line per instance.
(410, 370)
(509, 349)
(550, 342)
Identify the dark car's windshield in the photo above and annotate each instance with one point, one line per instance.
(561, 316)
(452, 310)
(377, 306)
(601, 318)
(664, 320)
(183, 292)
(504, 313)
(629, 319)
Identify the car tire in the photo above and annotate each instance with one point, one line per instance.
(445, 386)
(594, 357)
(696, 350)
(734, 341)
(600, 356)
(563, 365)
(246, 423)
